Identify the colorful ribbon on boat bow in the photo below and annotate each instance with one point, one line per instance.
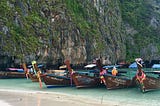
(141, 77)
(102, 73)
(38, 72)
(67, 62)
(26, 70)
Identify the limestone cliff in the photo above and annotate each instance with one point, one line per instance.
(52, 30)
(142, 24)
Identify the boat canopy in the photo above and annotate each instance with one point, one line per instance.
(39, 66)
(156, 66)
(63, 66)
(16, 69)
(133, 65)
(90, 66)
(111, 66)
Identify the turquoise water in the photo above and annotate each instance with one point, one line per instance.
(125, 97)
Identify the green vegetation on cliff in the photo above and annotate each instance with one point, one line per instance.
(27, 26)
(138, 13)
(24, 26)
(86, 22)
(80, 16)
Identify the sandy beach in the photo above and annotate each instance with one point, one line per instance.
(22, 92)
(10, 98)
(2, 103)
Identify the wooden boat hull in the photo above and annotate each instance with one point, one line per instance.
(83, 81)
(33, 77)
(150, 83)
(6, 75)
(56, 81)
(116, 82)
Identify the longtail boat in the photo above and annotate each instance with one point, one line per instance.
(84, 79)
(28, 74)
(146, 81)
(52, 81)
(58, 78)
(6, 75)
(33, 77)
(115, 81)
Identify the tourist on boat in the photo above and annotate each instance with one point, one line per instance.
(114, 71)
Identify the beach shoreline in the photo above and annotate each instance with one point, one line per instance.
(22, 92)
(30, 98)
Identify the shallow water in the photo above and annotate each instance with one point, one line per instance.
(125, 97)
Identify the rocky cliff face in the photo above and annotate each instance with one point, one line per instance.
(89, 29)
(142, 26)
(80, 30)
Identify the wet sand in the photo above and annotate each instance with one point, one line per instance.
(9, 98)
